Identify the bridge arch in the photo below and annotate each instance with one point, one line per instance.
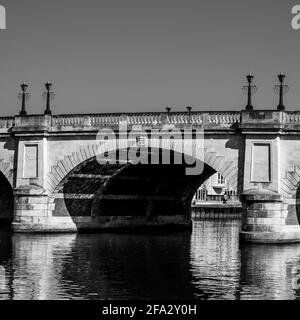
(227, 167)
(6, 193)
(7, 171)
(290, 189)
(81, 187)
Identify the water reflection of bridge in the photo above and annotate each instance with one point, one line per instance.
(229, 270)
(209, 264)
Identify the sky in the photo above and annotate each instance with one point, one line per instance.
(138, 56)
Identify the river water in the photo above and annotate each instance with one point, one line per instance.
(207, 263)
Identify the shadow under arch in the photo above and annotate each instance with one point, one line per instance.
(123, 189)
(6, 201)
(149, 190)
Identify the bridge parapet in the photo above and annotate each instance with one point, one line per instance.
(154, 119)
(225, 118)
(291, 117)
(208, 120)
(6, 122)
(270, 119)
(82, 120)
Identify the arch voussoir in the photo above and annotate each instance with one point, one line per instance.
(76, 158)
(60, 169)
(217, 161)
(227, 168)
(290, 182)
(68, 163)
(63, 167)
(86, 154)
(297, 171)
(91, 151)
(209, 157)
(72, 161)
(53, 177)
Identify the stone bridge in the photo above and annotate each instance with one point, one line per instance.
(51, 179)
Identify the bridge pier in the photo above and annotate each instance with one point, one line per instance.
(33, 214)
(265, 218)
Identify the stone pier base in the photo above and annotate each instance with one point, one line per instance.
(33, 215)
(264, 219)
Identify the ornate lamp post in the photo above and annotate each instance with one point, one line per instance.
(281, 89)
(24, 97)
(49, 95)
(249, 90)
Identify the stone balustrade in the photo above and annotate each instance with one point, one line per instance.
(228, 118)
(148, 119)
(68, 121)
(291, 117)
(208, 120)
(6, 122)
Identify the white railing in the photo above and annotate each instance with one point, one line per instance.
(291, 117)
(210, 119)
(224, 117)
(6, 122)
(151, 119)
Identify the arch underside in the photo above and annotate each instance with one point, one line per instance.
(107, 192)
(6, 200)
(7, 171)
(6, 192)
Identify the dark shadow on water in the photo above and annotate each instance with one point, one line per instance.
(96, 266)
(141, 230)
(6, 264)
(126, 266)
